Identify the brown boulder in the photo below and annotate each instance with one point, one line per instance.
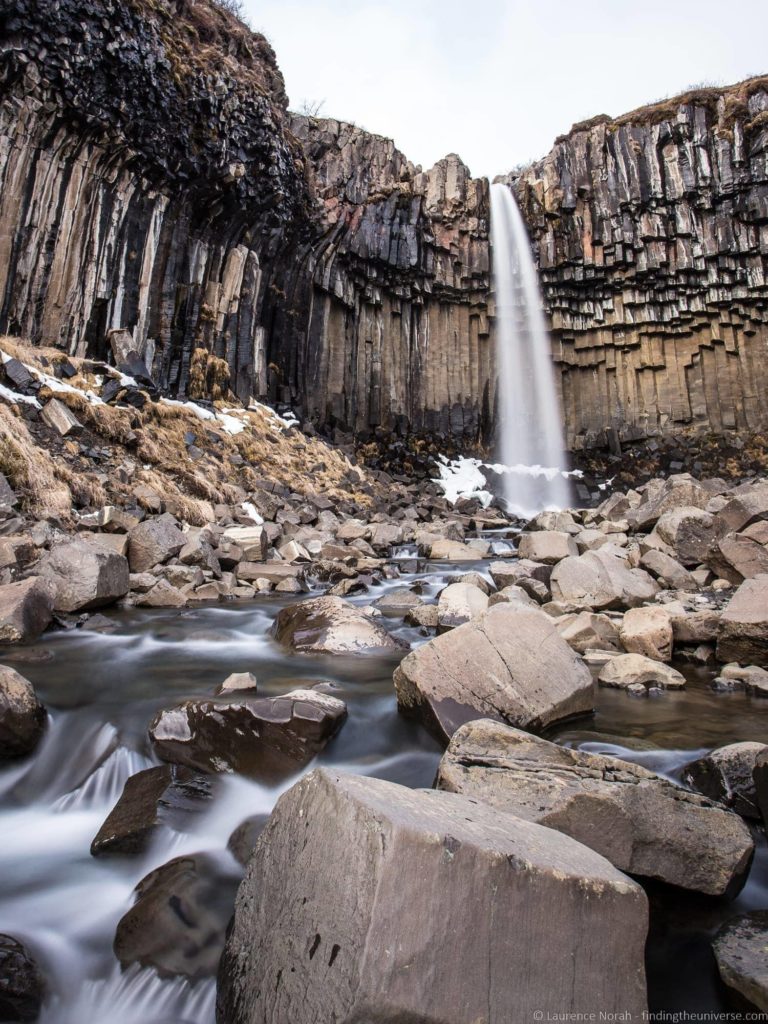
(26, 609)
(330, 625)
(743, 631)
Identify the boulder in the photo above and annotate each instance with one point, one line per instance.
(737, 558)
(199, 551)
(512, 595)
(163, 595)
(152, 800)
(640, 822)
(444, 550)
(760, 779)
(676, 492)
(507, 574)
(725, 774)
(743, 631)
(179, 920)
(739, 948)
(599, 580)
(275, 572)
(588, 631)
(84, 576)
(509, 663)
(548, 546)
(329, 625)
(61, 418)
(751, 678)
(632, 669)
(397, 601)
(424, 615)
(153, 542)
(26, 609)
(360, 898)
(253, 541)
(22, 715)
(459, 603)
(695, 627)
(690, 532)
(22, 988)
(667, 571)
(746, 508)
(647, 631)
(238, 682)
(264, 737)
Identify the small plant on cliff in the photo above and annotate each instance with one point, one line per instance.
(311, 108)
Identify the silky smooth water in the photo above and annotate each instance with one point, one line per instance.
(530, 428)
(102, 690)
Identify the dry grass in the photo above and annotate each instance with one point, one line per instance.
(30, 470)
(208, 376)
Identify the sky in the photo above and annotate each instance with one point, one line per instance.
(497, 80)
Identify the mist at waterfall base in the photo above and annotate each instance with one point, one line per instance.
(532, 456)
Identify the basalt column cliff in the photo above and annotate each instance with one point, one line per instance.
(652, 239)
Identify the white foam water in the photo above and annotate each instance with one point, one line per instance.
(530, 423)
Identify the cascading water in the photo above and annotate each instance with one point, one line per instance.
(530, 428)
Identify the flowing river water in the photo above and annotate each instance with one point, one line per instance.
(102, 689)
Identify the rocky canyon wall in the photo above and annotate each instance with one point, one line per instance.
(652, 238)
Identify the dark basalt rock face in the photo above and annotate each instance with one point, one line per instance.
(652, 237)
(21, 985)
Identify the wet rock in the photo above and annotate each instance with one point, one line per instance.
(630, 669)
(275, 572)
(397, 601)
(237, 682)
(647, 631)
(725, 775)
(162, 595)
(548, 546)
(329, 625)
(510, 663)
(22, 988)
(325, 890)
(751, 678)
(153, 542)
(84, 576)
(588, 631)
(178, 923)
(599, 580)
(154, 799)
(459, 603)
(739, 949)
(455, 551)
(243, 839)
(26, 609)
(264, 737)
(424, 615)
(22, 715)
(639, 821)
(743, 631)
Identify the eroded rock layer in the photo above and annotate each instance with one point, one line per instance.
(652, 239)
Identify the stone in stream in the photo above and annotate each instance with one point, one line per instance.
(748, 677)
(743, 631)
(628, 670)
(601, 580)
(509, 663)
(22, 715)
(647, 631)
(265, 737)
(725, 774)
(760, 779)
(739, 949)
(153, 542)
(153, 799)
(443, 550)
(179, 920)
(84, 576)
(26, 609)
(639, 821)
(366, 901)
(459, 603)
(330, 625)
(22, 988)
(397, 601)
(237, 682)
(243, 839)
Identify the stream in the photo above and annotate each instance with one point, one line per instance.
(102, 689)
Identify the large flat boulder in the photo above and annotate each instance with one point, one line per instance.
(601, 579)
(157, 798)
(264, 737)
(22, 715)
(26, 609)
(366, 901)
(743, 631)
(631, 671)
(640, 822)
(510, 664)
(330, 625)
(85, 576)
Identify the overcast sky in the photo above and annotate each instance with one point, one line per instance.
(496, 80)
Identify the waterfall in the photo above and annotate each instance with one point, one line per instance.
(530, 428)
